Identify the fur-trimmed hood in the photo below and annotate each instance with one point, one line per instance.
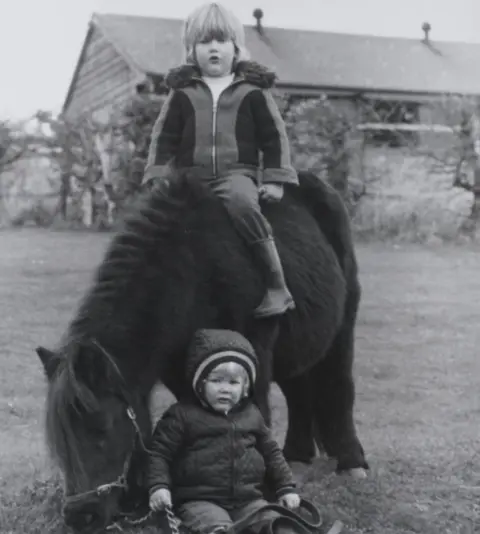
(250, 71)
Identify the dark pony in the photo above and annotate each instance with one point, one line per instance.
(177, 265)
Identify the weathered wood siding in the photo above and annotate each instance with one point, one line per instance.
(103, 80)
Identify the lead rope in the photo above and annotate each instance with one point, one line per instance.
(172, 521)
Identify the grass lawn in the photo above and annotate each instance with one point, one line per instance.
(418, 385)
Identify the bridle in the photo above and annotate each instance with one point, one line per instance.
(121, 482)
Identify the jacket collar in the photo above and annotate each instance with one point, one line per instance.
(239, 407)
(248, 71)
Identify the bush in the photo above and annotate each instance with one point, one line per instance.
(36, 215)
(324, 139)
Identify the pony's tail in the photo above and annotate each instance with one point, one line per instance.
(329, 210)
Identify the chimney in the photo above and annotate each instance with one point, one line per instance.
(258, 15)
(426, 30)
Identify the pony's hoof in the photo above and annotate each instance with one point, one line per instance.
(357, 473)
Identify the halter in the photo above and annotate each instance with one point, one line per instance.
(121, 481)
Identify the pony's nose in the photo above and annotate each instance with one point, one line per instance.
(82, 518)
(86, 515)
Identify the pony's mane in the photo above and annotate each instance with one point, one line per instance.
(154, 224)
(66, 395)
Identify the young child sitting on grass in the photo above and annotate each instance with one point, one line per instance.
(210, 454)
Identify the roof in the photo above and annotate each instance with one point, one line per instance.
(313, 58)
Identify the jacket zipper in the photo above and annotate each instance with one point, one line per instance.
(214, 135)
(214, 119)
(233, 460)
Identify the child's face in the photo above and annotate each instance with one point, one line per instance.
(224, 386)
(215, 57)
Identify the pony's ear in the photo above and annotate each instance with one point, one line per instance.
(49, 360)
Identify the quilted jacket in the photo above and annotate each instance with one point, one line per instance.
(201, 454)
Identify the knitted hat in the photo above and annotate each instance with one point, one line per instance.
(210, 348)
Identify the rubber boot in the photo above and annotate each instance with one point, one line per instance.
(278, 298)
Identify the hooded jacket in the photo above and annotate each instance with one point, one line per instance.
(190, 133)
(200, 454)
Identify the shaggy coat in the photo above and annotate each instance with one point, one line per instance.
(191, 133)
(177, 265)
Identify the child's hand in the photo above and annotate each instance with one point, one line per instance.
(271, 192)
(160, 499)
(290, 500)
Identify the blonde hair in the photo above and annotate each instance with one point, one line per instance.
(213, 21)
(233, 369)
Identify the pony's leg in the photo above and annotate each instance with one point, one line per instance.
(173, 376)
(299, 440)
(263, 334)
(333, 396)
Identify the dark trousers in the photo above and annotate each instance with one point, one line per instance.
(202, 517)
(240, 195)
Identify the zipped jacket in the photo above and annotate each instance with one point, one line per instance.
(190, 132)
(200, 454)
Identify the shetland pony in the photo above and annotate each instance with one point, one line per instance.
(177, 265)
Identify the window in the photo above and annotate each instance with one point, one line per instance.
(389, 123)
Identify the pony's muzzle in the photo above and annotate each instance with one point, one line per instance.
(90, 514)
(81, 518)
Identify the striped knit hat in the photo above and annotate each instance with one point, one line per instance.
(210, 348)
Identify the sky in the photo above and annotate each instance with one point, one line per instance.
(40, 40)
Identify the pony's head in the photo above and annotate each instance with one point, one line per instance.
(95, 430)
